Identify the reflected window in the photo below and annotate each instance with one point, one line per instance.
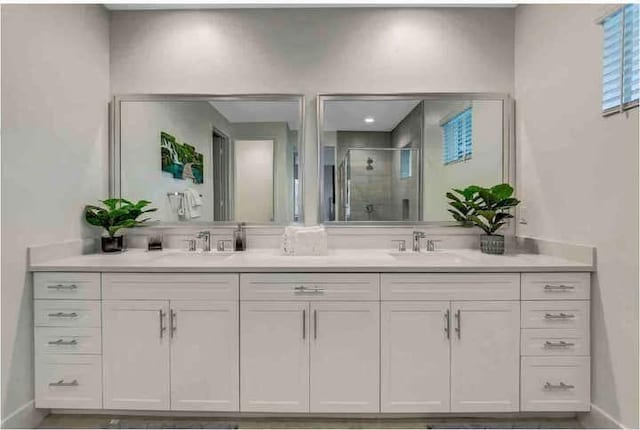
(405, 162)
(457, 132)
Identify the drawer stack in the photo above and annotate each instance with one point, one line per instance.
(555, 362)
(68, 343)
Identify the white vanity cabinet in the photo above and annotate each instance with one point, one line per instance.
(450, 342)
(167, 352)
(309, 342)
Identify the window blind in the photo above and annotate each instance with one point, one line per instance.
(457, 139)
(621, 59)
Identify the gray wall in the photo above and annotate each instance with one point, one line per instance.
(55, 90)
(578, 179)
(297, 50)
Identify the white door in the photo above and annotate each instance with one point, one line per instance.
(135, 354)
(415, 356)
(204, 356)
(274, 357)
(253, 180)
(345, 357)
(485, 348)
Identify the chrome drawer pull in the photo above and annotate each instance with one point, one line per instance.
(63, 287)
(560, 316)
(61, 383)
(559, 287)
(447, 324)
(304, 290)
(458, 327)
(162, 327)
(63, 342)
(64, 315)
(560, 386)
(560, 344)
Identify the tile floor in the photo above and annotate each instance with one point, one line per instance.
(59, 421)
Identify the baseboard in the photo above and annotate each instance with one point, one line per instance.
(25, 417)
(599, 419)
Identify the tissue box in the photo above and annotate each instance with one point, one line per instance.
(304, 241)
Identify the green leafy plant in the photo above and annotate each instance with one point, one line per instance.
(486, 208)
(117, 214)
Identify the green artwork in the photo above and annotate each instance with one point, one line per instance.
(181, 159)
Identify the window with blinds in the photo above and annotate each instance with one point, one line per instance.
(405, 162)
(621, 59)
(457, 140)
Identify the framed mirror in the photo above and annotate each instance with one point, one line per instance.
(390, 159)
(210, 159)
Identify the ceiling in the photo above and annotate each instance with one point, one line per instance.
(350, 115)
(260, 111)
(244, 4)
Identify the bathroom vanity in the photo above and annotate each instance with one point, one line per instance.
(360, 331)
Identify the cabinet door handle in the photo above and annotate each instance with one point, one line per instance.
(560, 344)
(61, 383)
(560, 386)
(162, 327)
(458, 325)
(173, 321)
(63, 342)
(560, 316)
(447, 323)
(315, 324)
(304, 324)
(560, 287)
(62, 287)
(64, 315)
(304, 290)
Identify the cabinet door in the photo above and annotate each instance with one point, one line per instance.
(204, 356)
(345, 357)
(136, 355)
(415, 356)
(485, 347)
(274, 357)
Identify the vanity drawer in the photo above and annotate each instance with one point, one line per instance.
(571, 314)
(66, 285)
(450, 286)
(170, 286)
(554, 342)
(72, 313)
(556, 286)
(310, 286)
(67, 340)
(68, 381)
(555, 384)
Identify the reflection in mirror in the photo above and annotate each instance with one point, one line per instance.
(393, 158)
(212, 159)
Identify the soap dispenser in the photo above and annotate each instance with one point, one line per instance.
(239, 238)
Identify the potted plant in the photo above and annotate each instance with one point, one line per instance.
(486, 208)
(117, 214)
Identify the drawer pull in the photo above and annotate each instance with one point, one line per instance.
(560, 344)
(559, 287)
(63, 287)
(560, 386)
(447, 324)
(63, 342)
(64, 315)
(61, 383)
(560, 316)
(304, 290)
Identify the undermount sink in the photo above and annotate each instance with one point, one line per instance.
(430, 256)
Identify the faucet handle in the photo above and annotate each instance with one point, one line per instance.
(402, 244)
(220, 245)
(191, 244)
(431, 244)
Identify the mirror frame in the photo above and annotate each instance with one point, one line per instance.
(508, 144)
(115, 186)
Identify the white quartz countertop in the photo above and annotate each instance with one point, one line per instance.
(341, 260)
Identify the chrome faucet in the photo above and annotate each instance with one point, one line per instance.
(417, 235)
(206, 242)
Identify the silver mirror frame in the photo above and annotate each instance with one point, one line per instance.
(115, 186)
(508, 144)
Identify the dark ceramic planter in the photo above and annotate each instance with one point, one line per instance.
(112, 244)
(492, 244)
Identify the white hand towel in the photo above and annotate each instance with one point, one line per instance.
(193, 208)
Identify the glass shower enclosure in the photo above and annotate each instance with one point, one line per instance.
(379, 184)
